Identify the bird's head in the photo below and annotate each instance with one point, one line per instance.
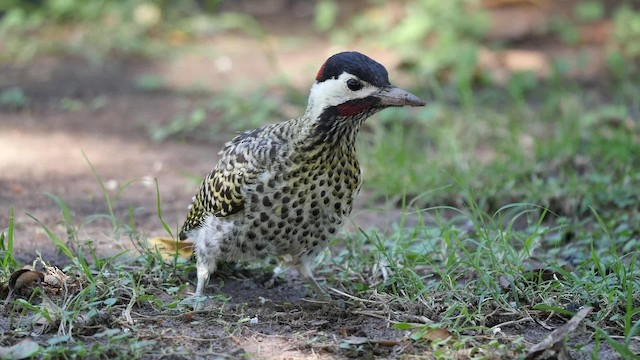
(352, 85)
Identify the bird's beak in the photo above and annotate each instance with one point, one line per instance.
(393, 96)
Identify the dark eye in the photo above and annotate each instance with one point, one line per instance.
(354, 85)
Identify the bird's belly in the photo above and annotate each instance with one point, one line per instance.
(295, 217)
(296, 228)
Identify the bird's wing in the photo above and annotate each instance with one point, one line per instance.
(242, 160)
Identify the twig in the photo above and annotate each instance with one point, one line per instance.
(556, 338)
(372, 314)
(540, 322)
(353, 297)
(506, 323)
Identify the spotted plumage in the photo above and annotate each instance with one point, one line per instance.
(284, 189)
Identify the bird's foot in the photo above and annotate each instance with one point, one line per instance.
(195, 302)
(269, 283)
(320, 293)
(271, 280)
(325, 299)
(326, 296)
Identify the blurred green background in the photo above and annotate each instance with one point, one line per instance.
(433, 38)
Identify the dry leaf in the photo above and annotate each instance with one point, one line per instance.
(437, 334)
(169, 247)
(20, 279)
(4, 290)
(53, 314)
(54, 276)
(23, 278)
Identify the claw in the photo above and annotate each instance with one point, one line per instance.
(318, 290)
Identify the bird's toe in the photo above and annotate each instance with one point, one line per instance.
(195, 302)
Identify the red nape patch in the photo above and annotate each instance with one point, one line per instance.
(319, 74)
(354, 107)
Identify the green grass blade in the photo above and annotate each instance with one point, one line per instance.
(56, 240)
(159, 207)
(66, 215)
(105, 192)
(8, 262)
(61, 245)
(620, 348)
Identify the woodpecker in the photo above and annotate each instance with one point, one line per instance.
(284, 189)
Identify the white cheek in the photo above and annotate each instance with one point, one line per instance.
(328, 93)
(333, 92)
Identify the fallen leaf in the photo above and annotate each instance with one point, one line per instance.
(22, 350)
(48, 316)
(169, 247)
(553, 346)
(20, 279)
(437, 334)
(54, 276)
(23, 278)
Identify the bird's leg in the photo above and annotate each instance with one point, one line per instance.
(305, 272)
(272, 279)
(203, 271)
